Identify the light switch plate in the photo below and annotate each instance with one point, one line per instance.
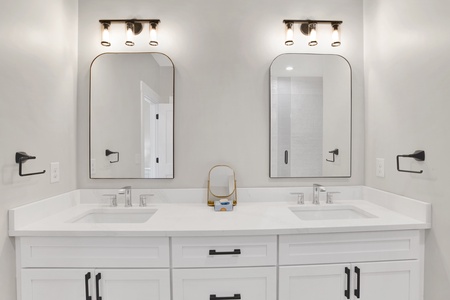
(380, 167)
(54, 172)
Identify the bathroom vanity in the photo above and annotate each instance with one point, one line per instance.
(369, 248)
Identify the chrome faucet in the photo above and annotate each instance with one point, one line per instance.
(126, 190)
(317, 188)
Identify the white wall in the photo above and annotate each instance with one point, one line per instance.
(407, 86)
(222, 51)
(38, 74)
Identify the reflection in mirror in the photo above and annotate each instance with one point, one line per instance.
(131, 116)
(310, 116)
(221, 184)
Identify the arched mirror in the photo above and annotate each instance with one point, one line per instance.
(131, 116)
(310, 116)
(221, 184)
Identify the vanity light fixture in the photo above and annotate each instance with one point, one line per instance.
(130, 34)
(289, 34)
(335, 36)
(153, 34)
(309, 28)
(105, 34)
(312, 34)
(133, 27)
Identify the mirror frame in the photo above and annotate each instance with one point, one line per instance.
(210, 202)
(351, 117)
(90, 114)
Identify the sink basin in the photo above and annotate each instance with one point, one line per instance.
(115, 215)
(331, 212)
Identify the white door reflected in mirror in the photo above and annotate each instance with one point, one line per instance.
(131, 105)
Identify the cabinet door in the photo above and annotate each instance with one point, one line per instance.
(397, 280)
(57, 284)
(135, 284)
(318, 282)
(225, 283)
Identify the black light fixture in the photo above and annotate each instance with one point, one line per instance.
(309, 28)
(133, 27)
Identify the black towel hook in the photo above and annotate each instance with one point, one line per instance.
(334, 152)
(418, 155)
(21, 158)
(109, 152)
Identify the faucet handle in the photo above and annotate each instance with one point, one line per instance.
(300, 197)
(330, 197)
(143, 199)
(112, 198)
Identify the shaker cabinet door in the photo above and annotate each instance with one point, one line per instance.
(397, 280)
(114, 284)
(318, 282)
(57, 284)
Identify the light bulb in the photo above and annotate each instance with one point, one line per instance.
(105, 34)
(335, 36)
(312, 35)
(289, 34)
(130, 33)
(153, 34)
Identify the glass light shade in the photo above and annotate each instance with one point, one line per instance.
(130, 33)
(105, 35)
(289, 34)
(312, 35)
(335, 36)
(153, 35)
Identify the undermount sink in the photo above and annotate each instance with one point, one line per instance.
(115, 215)
(330, 212)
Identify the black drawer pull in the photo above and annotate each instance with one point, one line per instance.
(214, 297)
(97, 285)
(86, 285)
(214, 252)
(347, 291)
(358, 282)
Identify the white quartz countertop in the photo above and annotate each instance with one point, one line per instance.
(197, 219)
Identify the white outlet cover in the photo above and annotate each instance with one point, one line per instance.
(380, 167)
(54, 172)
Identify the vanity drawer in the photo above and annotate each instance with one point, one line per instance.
(349, 247)
(94, 252)
(229, 283)
(224, 251)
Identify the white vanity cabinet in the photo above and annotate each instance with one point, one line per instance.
(367, 266)
(93, 268)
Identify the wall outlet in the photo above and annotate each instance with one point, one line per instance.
(380, 167)
(54, 172)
